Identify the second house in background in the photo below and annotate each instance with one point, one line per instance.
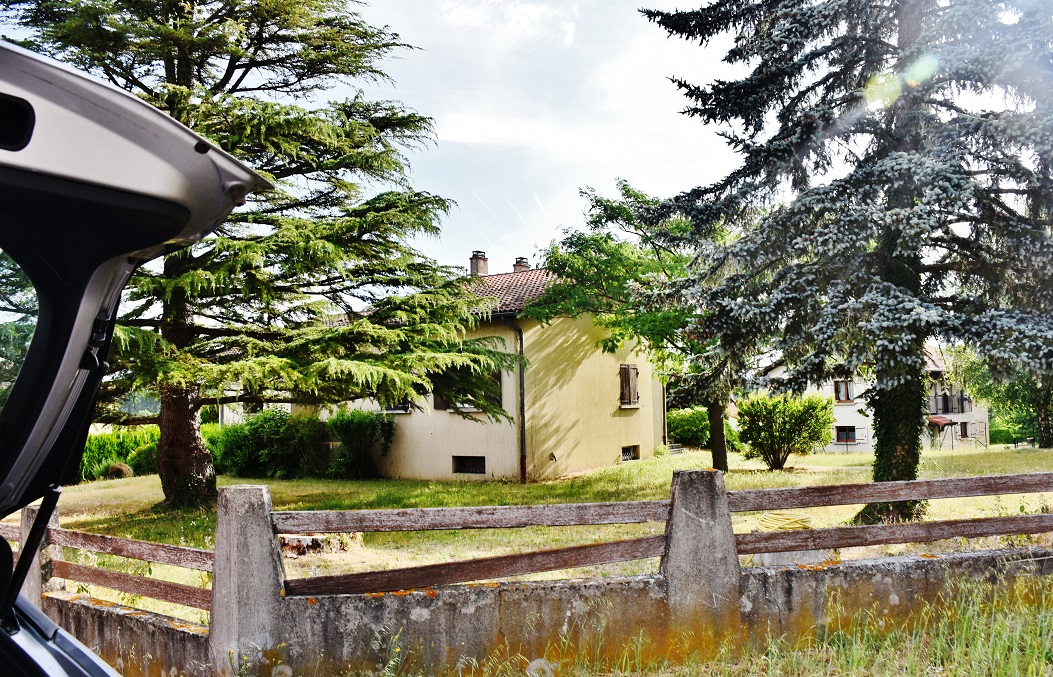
(953, 419)
(573, 408)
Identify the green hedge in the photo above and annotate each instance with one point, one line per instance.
(689, 427)
(102, 450)
(363, 435)
(276, 444)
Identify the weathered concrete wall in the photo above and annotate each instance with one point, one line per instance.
(136, 643)
(701, 599)
(445, 629)
(798, 601)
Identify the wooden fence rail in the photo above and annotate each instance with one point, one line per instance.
(502, 517)
(914, 490)
(478, 569)
(177, 593)
(884, 534)
(179, 556)
(485, 517)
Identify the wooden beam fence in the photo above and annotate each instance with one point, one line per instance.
(886, 534)
(505, 517)
(487, 517)
(177, 593)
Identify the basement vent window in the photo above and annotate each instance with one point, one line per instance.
(631, 453)
(469, 465)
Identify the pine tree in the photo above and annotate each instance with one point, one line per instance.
(894, 149)
(312, 293)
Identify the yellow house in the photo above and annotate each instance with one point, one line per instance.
(574, 407)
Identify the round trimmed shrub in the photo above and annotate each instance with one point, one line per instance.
(775, 426)
(118, 471)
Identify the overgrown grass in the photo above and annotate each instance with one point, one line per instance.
(975, 629)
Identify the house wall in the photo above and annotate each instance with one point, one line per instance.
(574, 420)
(574, 417)
(851, 414)
(426, 441)
(857, 414)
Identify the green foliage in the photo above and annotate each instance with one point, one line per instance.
(608, 270)
(144, 459)
(775, 426)
(873, 202)
(103, 449)
(210, 433)
(274, 444)
(688, 426)
(313, 292)
(363, 435)
(732, 439)
(1018, 399)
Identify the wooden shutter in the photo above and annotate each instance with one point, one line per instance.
(440, 402)
(630, 391)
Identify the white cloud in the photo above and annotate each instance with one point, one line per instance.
(509, 22)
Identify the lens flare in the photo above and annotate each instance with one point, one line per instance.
(885, 88)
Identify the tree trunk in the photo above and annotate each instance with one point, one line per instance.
(898, 421)
(1044, 412)
(717, 442)
(184, 463)
(899, 409)
(188, 476)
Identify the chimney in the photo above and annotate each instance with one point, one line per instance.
(477, 264)
(521, 265)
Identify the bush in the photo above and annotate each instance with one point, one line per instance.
(1006, 436)
(363, 435)
(144, 460)
(689, 427)
(731, 439)
(273, 444)
(116, 447)
(776, 426)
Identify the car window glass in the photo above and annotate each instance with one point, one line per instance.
(18, 320)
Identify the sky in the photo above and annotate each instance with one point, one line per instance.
(533, 100)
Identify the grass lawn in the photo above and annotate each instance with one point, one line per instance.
(130, 508)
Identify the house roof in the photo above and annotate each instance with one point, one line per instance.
(514, 290)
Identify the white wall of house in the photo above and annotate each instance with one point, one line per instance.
(853, 428)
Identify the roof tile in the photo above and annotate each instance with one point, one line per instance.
(515, 290)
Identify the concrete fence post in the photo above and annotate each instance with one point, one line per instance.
(701, 563)
(247, 582)
(39, 580)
